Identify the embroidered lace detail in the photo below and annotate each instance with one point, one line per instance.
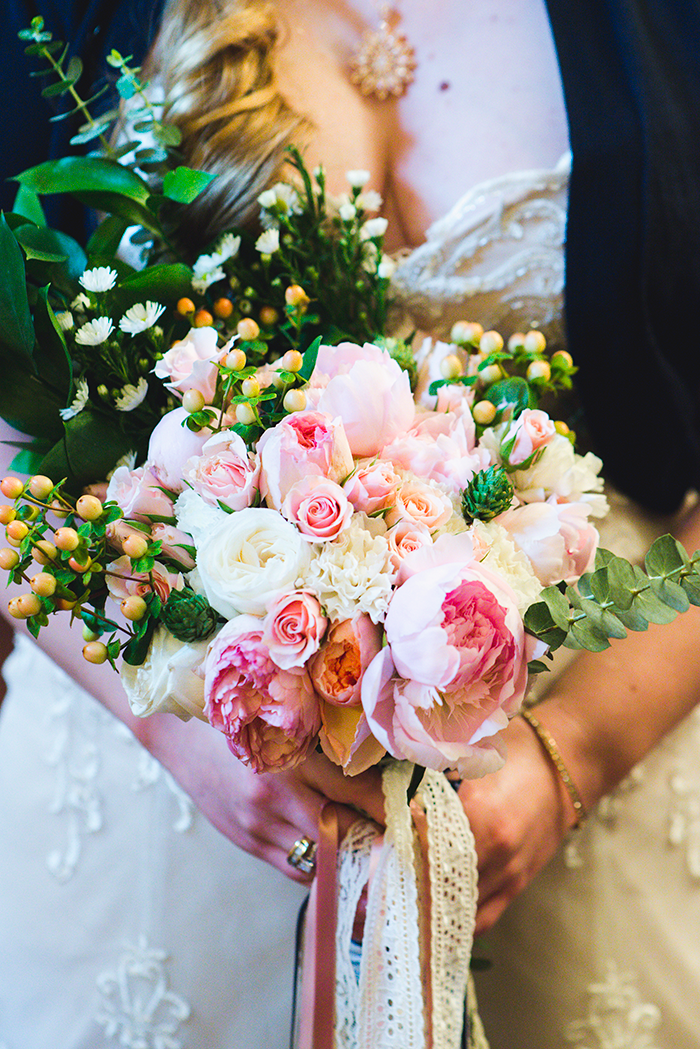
(150, 772)
(496, 256)
(136, 1007)
(617, 1017)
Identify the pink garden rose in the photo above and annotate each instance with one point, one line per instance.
(224, 472)
(558, 539)
(269, 716)
(533, 429)
(440, 446)
(139, 494)
(454, 668)
(190, 364)
(404, 538)
(171, 445)
(422, 504)
(293, 628)
(372, 486)
(304, 443)
(318, 507)
(372, 396)
(337, 671)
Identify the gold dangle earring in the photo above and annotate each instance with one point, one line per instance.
(384, 61)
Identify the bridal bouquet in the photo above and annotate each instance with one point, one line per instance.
(306, 540)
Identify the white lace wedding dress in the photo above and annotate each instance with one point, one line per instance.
(126, 920)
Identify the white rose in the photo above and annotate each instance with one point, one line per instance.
(196, 517)
(249, 557)
(169, 681)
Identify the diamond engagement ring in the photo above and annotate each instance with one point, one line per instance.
(302, 855)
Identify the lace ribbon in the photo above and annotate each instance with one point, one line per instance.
(388, 1009)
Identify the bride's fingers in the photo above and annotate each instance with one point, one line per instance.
(363, 792)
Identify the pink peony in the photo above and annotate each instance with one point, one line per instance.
(305, 443)
(139, 494)
(318, 507)
(190, 364)
(171, 445)
(558, 539)
(269, 716)
(224, 473)
(455, 665)
(293, 628)
(439, 447)
(372, 396)
(373, 486)
(533, 429)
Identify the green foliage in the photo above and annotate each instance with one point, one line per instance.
(617, 597)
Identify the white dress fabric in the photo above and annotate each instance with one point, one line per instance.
(126, 920)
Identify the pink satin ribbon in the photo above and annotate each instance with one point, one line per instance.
(317, 1020)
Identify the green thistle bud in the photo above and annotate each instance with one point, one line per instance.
(188, 616)
(488, 494)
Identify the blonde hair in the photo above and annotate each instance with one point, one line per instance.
(213, 59)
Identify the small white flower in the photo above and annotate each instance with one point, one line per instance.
(140, 317)
(358, 179)
(386, 267)
(267, 199)
(99, 279)
(227, 247)
(282, 198)
(369, 201)
(347, 211)
(94, 332)
(206, 270)
(268, 242)
(131, 396)
(79, 401)
(80, 302)
(373, 228)
(64, 319)
(128, 460)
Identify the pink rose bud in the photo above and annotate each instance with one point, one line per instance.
(318, 507)
(224, 473)
(533, 429)
(174, 542)
(138, 493)
(293, 628)
(372, 487)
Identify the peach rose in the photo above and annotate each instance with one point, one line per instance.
(318, 507)
(533, 429)
(423, 504)
(372, 486)
(293, 628)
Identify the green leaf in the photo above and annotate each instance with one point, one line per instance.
(16, 328)
(91, 445)
(632, 619)
(536, 666)
(90, 131)
(605, 621)
(29, 405)
(85, 175)
(310, 356)
(691, 585)
(665, 557)
(53, 361)
(652, 608)
(37, 244)
(28, 460)
(587, 636)
(184, 185)
(671, 593)
(164, 283)
(513, 393)
(107, 237)
(27, 203)
(622, 582)
(558, 606)
(136, 650)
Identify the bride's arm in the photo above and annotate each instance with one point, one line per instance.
(606, 712)
(263, 814)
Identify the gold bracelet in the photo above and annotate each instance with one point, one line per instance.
(552, 751)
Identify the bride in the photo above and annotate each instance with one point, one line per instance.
(126, 918)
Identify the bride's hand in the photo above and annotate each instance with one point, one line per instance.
(519, 817)
(262, 813)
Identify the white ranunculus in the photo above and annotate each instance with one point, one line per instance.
(169, 681)
(250, 556)
(562, 473)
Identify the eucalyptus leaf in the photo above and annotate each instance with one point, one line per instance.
(691, 585)
(632, 619)
(665, 556)
(16, 328)
(603, 620)
(587, 636)
(622, 581)
(90, 131)
(671, 593)
(558, 606)
(653, 608)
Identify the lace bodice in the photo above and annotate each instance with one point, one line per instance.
(496, 257)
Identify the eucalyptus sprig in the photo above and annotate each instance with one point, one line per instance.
(616, 597)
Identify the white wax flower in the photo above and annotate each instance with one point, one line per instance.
(268, 242)
(387, 267)
(131, 396)
(373, 228)
(78, 403)
(370, 200)
(206, 271)
(99, 279)
(94, 332)
(140, 317)
(358, 178)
